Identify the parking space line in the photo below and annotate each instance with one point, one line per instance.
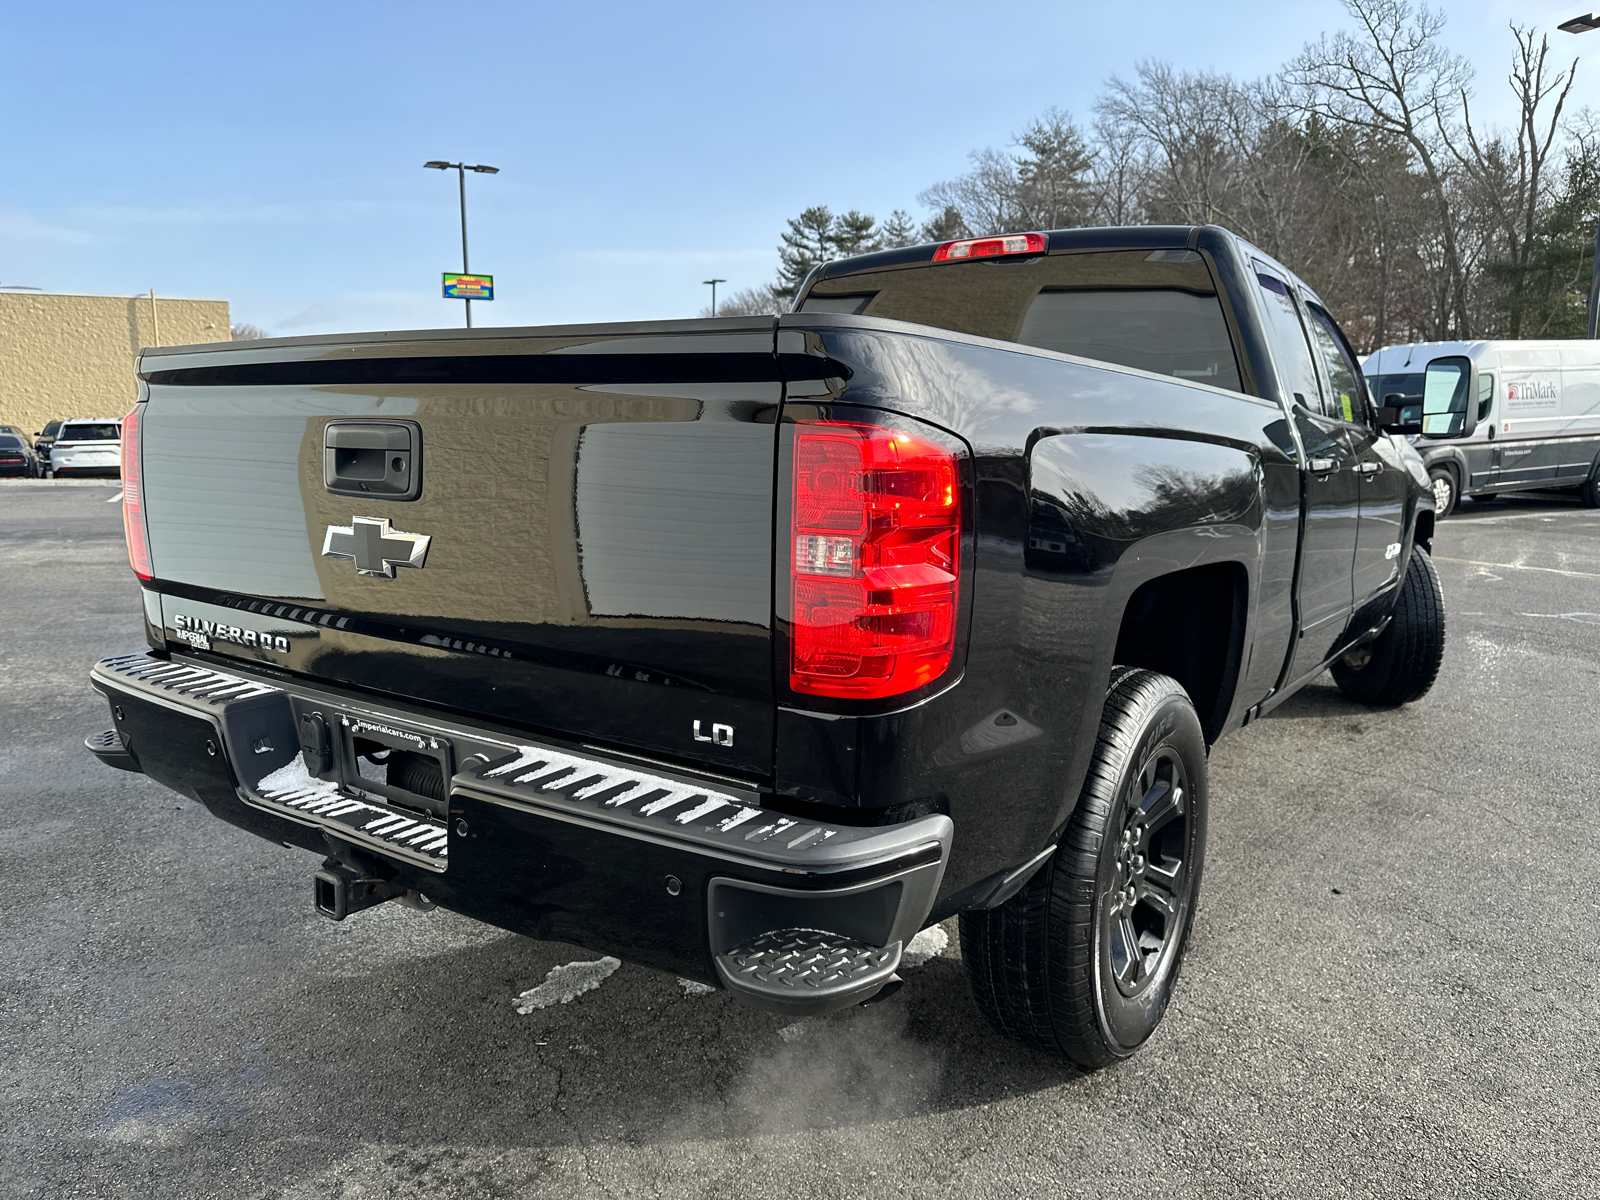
(1539, 515)
(1469, 562)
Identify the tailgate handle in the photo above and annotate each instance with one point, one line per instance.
(374, 460)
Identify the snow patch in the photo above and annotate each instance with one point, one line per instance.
(693, 987)
(566, 983)
(791, 1033)
(293, 777)
(928, 944)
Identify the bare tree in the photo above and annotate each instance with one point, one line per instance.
(1118, 174)
(1513, 178)
(750, 302)
(1394, 77)
(1359, 166)
(1048, 186)
(243, 332)
(984, 200)
(1183, 119)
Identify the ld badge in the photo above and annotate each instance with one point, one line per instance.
(375, 546)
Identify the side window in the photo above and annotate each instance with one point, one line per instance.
(1289, 346)
(1485, 396)
(1349, 388)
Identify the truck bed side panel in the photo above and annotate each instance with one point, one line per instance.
(1006, 751)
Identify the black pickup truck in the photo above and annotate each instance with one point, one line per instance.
(747, 648)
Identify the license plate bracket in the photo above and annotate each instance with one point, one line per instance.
(397, 746)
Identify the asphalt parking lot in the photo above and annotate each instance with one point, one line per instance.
(1391, 989)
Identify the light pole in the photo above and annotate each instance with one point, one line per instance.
(461, 170)
(1583, 24)
(713, 283)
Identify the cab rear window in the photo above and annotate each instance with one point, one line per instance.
(1168, 332)
(1157, 311)
(90, 432)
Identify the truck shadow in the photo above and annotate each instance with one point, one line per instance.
(1321, 698)
(635, 1062)
(1513, 504)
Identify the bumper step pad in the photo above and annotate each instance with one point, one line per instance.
(371, 821)
(807, 971)
(108, 748)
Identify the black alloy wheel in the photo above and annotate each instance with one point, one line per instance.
(1149, 884)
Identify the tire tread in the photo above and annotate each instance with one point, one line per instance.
(1407, 656)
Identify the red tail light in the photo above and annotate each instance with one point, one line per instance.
(132, 500)
(992, 247)
(874, 542)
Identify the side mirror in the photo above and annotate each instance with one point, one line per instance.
(1400, 414)
(1450, 397)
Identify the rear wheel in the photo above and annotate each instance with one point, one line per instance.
(1402, 663)
(1082, 961)
(1445, 492)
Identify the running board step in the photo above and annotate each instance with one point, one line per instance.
(803, 972)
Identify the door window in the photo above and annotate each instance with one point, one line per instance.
(1288, 337)
(1349, 398)
(1485, 396)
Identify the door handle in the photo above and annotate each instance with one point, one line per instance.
(373, 460)
(1320, 466)
(1370, 468)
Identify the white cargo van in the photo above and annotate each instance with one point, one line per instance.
(1535, 422)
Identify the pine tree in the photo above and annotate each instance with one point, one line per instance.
(946, 227)
(899, 230)
(854, 233)
(1052, 175)
(807, 242)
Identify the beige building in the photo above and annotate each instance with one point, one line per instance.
(73, 356)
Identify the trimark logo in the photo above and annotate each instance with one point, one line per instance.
(1532, 389)
(375, 546)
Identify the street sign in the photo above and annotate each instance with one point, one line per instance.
(468, 287)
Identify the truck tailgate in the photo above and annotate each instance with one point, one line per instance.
(597, 504)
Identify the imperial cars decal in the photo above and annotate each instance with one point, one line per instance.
(375, 546)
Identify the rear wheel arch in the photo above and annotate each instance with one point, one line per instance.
(1170, 625)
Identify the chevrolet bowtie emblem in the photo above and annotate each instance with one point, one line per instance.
(375, 546)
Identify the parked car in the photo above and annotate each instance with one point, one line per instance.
(17, 457)
(928, 599)
(87, 446)
(1524, 416)
(44, 439)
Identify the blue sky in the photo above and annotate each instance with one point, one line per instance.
(271, 155)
